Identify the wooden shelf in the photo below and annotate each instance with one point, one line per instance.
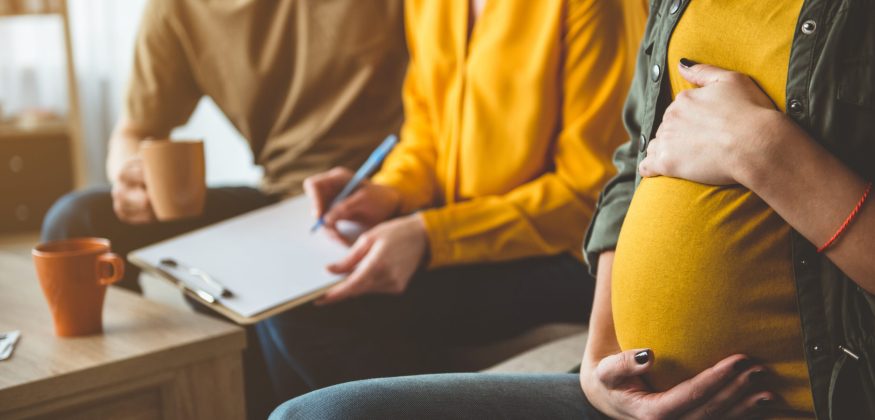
(48, 129)
(11, 8)
(69, 128)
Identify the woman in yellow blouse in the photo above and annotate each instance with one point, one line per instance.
(477, 218)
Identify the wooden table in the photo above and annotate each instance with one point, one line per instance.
(152, 362)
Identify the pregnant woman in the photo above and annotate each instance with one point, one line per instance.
(734, 248)
(749, 236)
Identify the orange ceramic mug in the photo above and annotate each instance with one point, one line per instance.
(175, 174)
(74, 274)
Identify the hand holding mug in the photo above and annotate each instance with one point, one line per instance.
(129, 198)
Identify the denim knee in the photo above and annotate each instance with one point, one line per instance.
(73, 215)
(351, 400)
(316, 404)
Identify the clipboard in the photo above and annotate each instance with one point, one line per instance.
(267, 258)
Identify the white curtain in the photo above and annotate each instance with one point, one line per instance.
(32, 75)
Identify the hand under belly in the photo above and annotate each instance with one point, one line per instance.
(701, 273)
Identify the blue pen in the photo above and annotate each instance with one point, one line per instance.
(374, 160)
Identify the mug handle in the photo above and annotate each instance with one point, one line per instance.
(116, 266)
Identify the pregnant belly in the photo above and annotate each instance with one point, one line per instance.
(701, 273)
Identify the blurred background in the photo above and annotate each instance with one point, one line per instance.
(50, 144)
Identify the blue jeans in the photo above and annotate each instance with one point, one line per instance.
(447, 396)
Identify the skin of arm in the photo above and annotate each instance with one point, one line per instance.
(814, 192)
(727, 131)
(602, 341)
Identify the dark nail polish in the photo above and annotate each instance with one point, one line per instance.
(742, 365)
(687, 63)
(764, 402)
(757, 376)
(642, 357)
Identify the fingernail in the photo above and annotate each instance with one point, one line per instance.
(741, 365)
(642, 357)
(764, 402)
(687, 63)
(757, 376)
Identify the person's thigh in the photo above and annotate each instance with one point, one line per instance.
(90, 213)
(486, 302)
(447, 396)
(376, 336)
(311, 347)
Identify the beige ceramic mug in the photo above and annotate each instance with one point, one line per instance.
(175, 173)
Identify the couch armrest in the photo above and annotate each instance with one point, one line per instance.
(557, 356)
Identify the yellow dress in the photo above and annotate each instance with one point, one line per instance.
(703, 272)
(508, 134)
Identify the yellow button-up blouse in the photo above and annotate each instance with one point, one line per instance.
(509, 130)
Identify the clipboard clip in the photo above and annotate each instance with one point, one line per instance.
(201, 274)
(204, 295)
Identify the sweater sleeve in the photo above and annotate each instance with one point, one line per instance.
(162, 92)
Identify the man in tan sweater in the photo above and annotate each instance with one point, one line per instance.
(310, 84)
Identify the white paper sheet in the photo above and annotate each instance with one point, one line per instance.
(265, 258)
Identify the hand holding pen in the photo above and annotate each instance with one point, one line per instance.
(384, 258)
(339, 194)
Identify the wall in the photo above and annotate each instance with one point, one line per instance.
(31, 74)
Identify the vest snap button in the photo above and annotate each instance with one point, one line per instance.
(809, 26)
(655, 71)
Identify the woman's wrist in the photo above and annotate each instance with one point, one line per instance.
(753, 159)
(586, 375)
(417, 224)
(391, 197)
(595, 391)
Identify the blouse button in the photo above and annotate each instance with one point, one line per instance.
(675, 5)
(809, 26)
(643, 144)
(655, 72)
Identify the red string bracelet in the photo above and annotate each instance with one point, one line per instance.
(848, 221)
